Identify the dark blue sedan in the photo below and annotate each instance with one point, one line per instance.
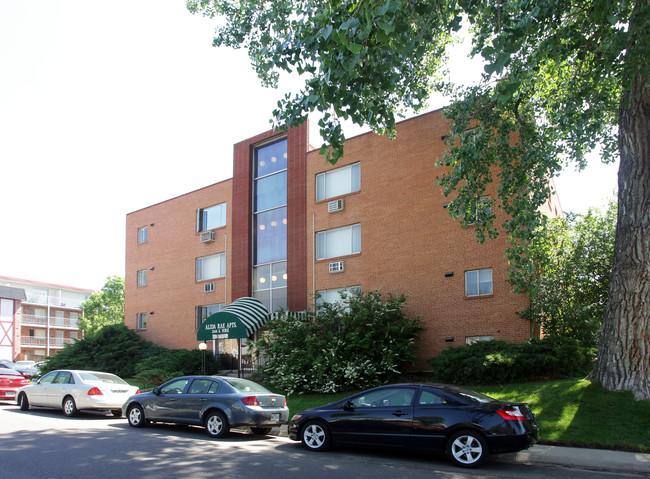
(465, 425)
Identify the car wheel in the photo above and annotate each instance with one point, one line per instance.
(69, 406)
(216, 424)
(261, 431)
(316, 436)
(23, 402)
(135, 416)
(467, 449)
(116, 412)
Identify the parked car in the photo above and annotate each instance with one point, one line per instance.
(28, 366)
(27, 372)
(438, 418)
(75, 390)
(10, 382)
(215, 402)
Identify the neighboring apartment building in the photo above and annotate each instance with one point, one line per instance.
(288, 225)
(38, 319)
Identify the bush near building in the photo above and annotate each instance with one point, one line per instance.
(500, 362)
(361, 341)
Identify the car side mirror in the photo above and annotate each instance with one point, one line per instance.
(348, 405)
(156, 391)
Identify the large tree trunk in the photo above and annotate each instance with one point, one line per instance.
(624, 350)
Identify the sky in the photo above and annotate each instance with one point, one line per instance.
(110, 107)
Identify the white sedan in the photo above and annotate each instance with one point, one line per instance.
(74, 390)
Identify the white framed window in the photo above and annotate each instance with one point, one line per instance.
(475, 339)
(478, 282)
(338, 242)
(211, 217)
(142, 321)
(204, 312)
(210, 267)
(340, 181)
(334, 295)
(142, 277)
(143, 234)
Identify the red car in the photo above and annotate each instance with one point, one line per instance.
(10, 382)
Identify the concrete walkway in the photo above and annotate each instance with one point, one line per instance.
(590, 459)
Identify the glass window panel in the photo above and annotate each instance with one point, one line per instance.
(338, 242)
(271, 192)
(278, 299)
(264, 297)
(279, 275)
(478, 282)
(340, 181)
(142, 277)
(209, 267)
(143, 234)
(262, 277)
(270, 236)
(485, 281)
(271, 158)
(212, 217)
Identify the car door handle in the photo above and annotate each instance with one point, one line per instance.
(204, 400)
(400, 413)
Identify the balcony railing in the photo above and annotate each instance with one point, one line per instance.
(63, 323)
(38, 342)
(72, 303)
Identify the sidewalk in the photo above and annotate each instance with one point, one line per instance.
(590, 459)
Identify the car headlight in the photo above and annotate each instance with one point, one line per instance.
(296, 417)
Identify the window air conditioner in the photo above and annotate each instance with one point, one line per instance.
(336, 205)
(208, 236)
(208, 287)
(337, 267)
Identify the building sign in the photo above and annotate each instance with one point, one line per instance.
(221, 325)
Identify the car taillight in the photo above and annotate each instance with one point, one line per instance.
(137, 391)
(25, 381)
(95, 392)
(511, 414)
(251, 401)
(285, 402)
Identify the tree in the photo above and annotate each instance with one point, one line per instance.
(569, 284)
(104, 307)
(561, 76)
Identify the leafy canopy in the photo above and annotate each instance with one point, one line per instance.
(104, 307)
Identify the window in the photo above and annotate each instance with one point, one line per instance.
(478, 282)
(475, 339)
(340, 181)
(142, 321)
(142, 277)
(211, 217)
(143, 234)
(338, 242)
(385, 397)
(209, 267)
(337, 295)
(175, 387)
(270, 236)
(204, 312)
(270, 285)
(481, 211)
(428, 398)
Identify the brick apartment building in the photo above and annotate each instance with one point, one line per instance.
(38, 319)
(288, 225)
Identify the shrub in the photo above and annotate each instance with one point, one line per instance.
(174, 362)
(499, 362)
(356, 343)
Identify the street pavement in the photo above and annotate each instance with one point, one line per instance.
(577, 457)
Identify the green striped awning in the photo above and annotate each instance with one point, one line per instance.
(240, 319)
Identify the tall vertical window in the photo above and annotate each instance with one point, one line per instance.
(338, 242)
(211, 217)
(478, 282)
(143, 234)
(142, 277)
(142, 321)
(204, 312)
(210, 267)
(340, 181)
(270, 225)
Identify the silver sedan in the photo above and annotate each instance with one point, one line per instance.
(74, 390)
(217, 403)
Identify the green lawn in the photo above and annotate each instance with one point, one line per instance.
(570, 412)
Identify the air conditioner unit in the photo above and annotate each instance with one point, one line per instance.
(337, 267)
(208, 288)
(208, 236)
(336, 205)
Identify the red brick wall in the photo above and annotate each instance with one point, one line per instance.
(409, 242)
(172, 292)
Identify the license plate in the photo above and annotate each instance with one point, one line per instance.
(10, 394)
(275, 417)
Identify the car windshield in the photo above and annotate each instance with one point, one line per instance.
(25, 363)
(101, 378)
(246, 386)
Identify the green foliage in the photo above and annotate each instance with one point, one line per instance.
(569, 283)
(104, 307)
(119, 350)
(501, 362)
(358, 342)
(114, 348)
